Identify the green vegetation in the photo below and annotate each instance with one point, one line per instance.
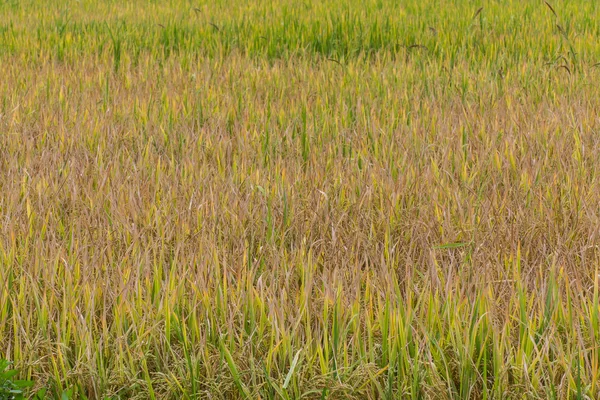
(300, 199)
(10, 388)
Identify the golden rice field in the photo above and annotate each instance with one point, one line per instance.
(251, 199)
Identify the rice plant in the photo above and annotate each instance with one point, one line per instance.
(282, 200)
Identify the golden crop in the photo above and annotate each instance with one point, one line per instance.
(301, 199)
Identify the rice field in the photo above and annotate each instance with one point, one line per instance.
(355, 199)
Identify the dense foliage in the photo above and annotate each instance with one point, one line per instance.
(301, 199)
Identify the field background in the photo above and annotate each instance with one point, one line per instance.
(301, 199)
